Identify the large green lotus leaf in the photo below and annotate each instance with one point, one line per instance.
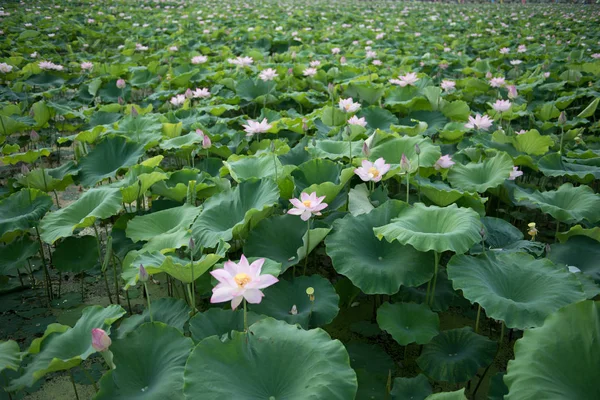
(280, 298)
(242, 168)
(169, 311)
(479, 177)
(456, 395)
(217, 321)
(76, 254)
(359, 201)
(334, 149)
(578, 230)
(176, 186)
(376, 266)
(325, 177)
(95, 204)
(234, 212)
(66, 348)
(378, 118)
(10, 355)
(455, 355)
(417, 388)
(144, 129)
(275, 361)
(391, 150)
(155, 262)
(373, 366)
(28, 158)
(531, 142)
(441, 194)
(514, 287)
(108, 157)
(434, 228)
(42, 180)
(22, 211)
(567, 204)
(561, 359)
(150, 362)
(408, 322)
(182, 142)
(498, 234)
(15, 254)
(581, 252)
(138, 180)
(555, 164)
(164, 230)
(282, 238)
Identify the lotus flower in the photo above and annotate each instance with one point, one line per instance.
(404, 163)
(199, 59)
(268, 74)
(120, 83)
(502, 105)
(241, 281)
(143, 274)
(100, 340)
(512, 92)
(514, 174)
(307, 206)
(372, 171)
(201, 93)
(87, 66)
(241, 61)
(309, 72)
(405, 80)
(206, 142)
(497, 82)
(479, 122)
(448, 85)
(354, 120)
(348, 105)
(443, 162)
(253, 127)
(177, 100)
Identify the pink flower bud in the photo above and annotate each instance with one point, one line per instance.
(562, 118)
(100, 340)
(189, 94)
(404, 163)
(134, 112)
(512, 92)
(24, 169)
(143, 274)
(365, 149)
(120, 83)
(417, 149)
(206, 143)
(34, 136)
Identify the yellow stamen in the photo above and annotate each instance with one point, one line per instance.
(307, 203)
(242, 279)
(373, 171)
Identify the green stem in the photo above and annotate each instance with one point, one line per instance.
(82, 295)
(307, 245)
(556, 233)
(74, 387)
(89, 377)
(193, 286)
(46, 273)
(148, 298)
(407, 187)
(477, 320)
(428, 291)
(502, 332)
(245, 317)
(435, 274)
(101, 262)
(418, 172)
(562, 136)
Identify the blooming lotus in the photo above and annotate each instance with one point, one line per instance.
(199, 59)
(206, 142)
(120, 83)
(241, 61)
(354, 120)
(335, 50)
(307, 206)
(253, 127)
(479, 122)
(512, 92)
(241, 281)
(87, 66)
(514, 174)
(502, 105)
(100, 340)
(348, 105)
(497, 82)
(177, 100)
(268, 74)
(201, 93)
(447, 85)
(309, 72)
(443, 162)
(314, 63)
(405, 80)
(5, 68)
(372, 171)
(504, 50)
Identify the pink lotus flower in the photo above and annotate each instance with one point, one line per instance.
(447, 85)
(354, 120)
(515, 62)
(596, 55)
(177, 100)
(268, 74)
(502, 105)
(514, 174)
(173, 48)
(87, 66)
(405, 80)
(497, 82)
(309, 72)
(522, 48)
(46, 65)
(521, 132)
(253, 127)
(143, 275)
(479, 122)
(314, 63)
(504, 50)
(120, 83)
(241, 281)
(241, 61)
(348, 105)
(404, 163)
(206, 143)
(5, 68)
(443, 162)
(377, 62)
(199, 59)
(100, 340)
(512, 92)
(307, 206)
(372, 171)
(335, 50)
(203, 93)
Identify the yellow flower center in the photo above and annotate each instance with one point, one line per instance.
(307, 203)
(242, 279)
(373, 171)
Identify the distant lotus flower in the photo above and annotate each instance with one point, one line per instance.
(188, 93)
(253, 127)
(546, 74)
(479, 122)
(522, 48)
(512, 92)
(241, 61)
(100, 340)
(515, 62)
(447, 85)
(268, 74)
(87, 66)
(406, 80)
(120, 83)
(354, 120)
(443, 162)
(335, 50)
(562, 118)
(404, 163)
(497, 82)
(199, 59)
(504, 50)
(5, 68)
(34, 54)
(177, 100)
(521, 132)
(343, 60)
(348, 105)
(314, 63)
(377, 62)
(294, 310)
(532, 230)
(49, 65)
(241, 281)
(173, 48)
(307, 206)
(143, 274)
(574, 270)
(596, 55)
(514, 174)
(206, 143)
(371, 54)
(203, 93)
(372, 171)
(309, 72)
(502, 105)
(24, 169)
(34, 136)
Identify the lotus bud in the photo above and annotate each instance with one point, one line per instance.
(562, 118)
(293, 55)
(482, 232)
(100, 340)
(24, 169)
(310, 291)
(304, 125)
(294, 310)
(272, 147)
(330, 87)
(365, 149)
(189, 94)
(512, 92)
(134, 112)
(206, 143)
(34, 136)
(121, 83)
(343, 60)
(290, 71)
(192, 244)
(417, 149)
(120, 100)
(488, 75)
(143, 274)
(549, 249)
(404, 164)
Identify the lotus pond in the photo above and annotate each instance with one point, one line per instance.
(299, 200)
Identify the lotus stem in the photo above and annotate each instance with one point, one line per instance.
(101, 262)
(407, 187)
(562, 136)
(114, 265)
(193, 286)
(128, 302)
(82, 295)
(556, 233)
(502, 333)
(74, 387)
(418, 173)
(427, 293)
(148, 298)
(245, 316)
(307, 245)
(477, 320)
(89, 377)
(435, 273)
(46, 273)
(56, 197)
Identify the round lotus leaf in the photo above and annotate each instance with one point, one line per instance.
(95, 204)
(231, 213)
(274, 361)
(15, 255)
(323, 176)
(456, 395)
(417, 388)
(567, 204)
(479, 177)
(455, 355)
(242, 168)
(499, 233)
(498, 388)
(331, 149)
(284, 295)
(445, 296)
(408, 322)
(168, 310)
(392, 149)
(217, 321)
(514, 287)
(76, 254)
(108, 157)
(581, 252)
(376, 266)
(554, 164)
(441, 194)
(282, 238)
(369, 357)
(434, 228)
(10, 355)
(150, 362)
(561, 359)
(22, 210)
